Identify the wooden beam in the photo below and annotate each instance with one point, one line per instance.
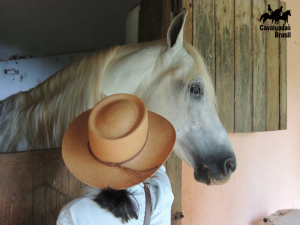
(243, 66)
(224, 30)
(174, 172)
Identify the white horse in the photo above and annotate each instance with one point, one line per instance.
(168, 75)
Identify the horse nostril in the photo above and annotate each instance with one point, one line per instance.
(229, 167)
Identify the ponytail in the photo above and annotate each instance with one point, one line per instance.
(118, 202)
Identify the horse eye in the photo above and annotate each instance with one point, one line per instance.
(195, 91)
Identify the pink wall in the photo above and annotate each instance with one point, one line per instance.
(268, 173)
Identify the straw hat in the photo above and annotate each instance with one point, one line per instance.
(118, 143)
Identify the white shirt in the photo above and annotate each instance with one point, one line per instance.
(84, 210)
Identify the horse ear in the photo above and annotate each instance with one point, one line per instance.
(175, 31)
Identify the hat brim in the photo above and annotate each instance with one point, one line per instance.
(80, 162)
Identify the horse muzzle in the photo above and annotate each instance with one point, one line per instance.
(215, 173)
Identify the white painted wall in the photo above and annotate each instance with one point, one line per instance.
(24, 74)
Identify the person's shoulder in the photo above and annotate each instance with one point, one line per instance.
(160, 178)
(65, 216)
(85, 210)
(75, 205)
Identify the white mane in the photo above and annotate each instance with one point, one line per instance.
(42, 114)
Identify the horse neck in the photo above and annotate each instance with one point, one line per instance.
(132, 65)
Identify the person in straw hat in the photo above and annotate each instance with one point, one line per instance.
(118, 149)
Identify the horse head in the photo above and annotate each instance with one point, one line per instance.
(182, 92)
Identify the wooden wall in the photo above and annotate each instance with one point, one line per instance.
(247, 65)
(34, 186)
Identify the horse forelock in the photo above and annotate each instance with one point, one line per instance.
(199, 69)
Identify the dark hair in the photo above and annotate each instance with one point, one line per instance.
(118, 202)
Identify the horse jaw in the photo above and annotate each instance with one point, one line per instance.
(206, 153)
(202, 142)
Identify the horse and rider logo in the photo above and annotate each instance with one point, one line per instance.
(275, 16)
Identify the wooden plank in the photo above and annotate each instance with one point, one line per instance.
(150, 20)
(34, 186)
(259, 68)
(16, 176)
(272, 75)
(283, 77)
(243, 66)
(174, 172)
(188, 27)
(204, 32)
(50, 191)
(224, 29)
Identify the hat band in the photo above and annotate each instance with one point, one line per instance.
(119, 165)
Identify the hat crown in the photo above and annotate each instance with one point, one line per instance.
(118, 119)
(117, 128)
